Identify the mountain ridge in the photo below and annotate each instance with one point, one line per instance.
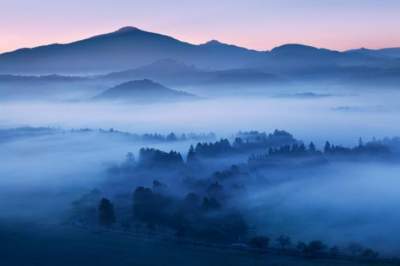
(131, 47)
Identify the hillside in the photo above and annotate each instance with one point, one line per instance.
(142, 91)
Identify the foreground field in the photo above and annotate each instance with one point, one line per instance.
(38, 245)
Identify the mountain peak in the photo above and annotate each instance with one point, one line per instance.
(127, 29)
(294, 47)
(214, 42)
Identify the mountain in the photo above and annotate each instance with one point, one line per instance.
(142, 91)
(165, 70)
(125, 48)
(300, 50)
(243, 76)
(386, 52)
(131, 53)
(172, 72)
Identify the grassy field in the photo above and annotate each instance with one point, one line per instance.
(25, 244)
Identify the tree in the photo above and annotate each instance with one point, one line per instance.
(106, 213)
(360, 142)
(261, 242)
(191, 156)
(172, 137)
(283, 241)
(369, 254)
(314, 248)
(327, 147)
(311, 147)
(355, 249)
(210, 204)
(150, 207)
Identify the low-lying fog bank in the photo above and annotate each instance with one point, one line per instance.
(347, 202)
(41, 175)
(342, 119)
(42, 171)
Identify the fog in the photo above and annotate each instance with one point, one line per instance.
(40, 176)
(44, 174)
(340, 118)
(341, 203)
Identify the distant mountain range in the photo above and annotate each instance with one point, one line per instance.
(172, 72)
(142, 91)
(130, 48)
(386, 52)
(125, 48)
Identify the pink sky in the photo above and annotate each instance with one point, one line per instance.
(257, 24)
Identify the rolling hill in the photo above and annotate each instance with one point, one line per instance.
(142, 91)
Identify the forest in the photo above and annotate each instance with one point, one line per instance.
(193, 197)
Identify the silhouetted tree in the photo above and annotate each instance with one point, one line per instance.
(327, 147)
(369, 254)
(171, 137)
(315, 247)
(283, 241)
(210, 204)
(355, 249)
(311, 147)
(106, 213)
(360, 142)
(191, 156)
(261, 242)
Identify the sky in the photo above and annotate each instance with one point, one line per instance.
(256, 24)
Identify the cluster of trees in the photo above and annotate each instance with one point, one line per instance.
(203, 219)
(297, 149)
(300, 150)
(192, 216)
(175, 137)
(203, 213)
(84, 210)
(252, 142)
(263, 242)
(244, 142)
(7, 134)
(150, 136)
(149, 157)
(233, 171)
(370, 149)
(210, 150)
(260, 140)
(315, 248)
